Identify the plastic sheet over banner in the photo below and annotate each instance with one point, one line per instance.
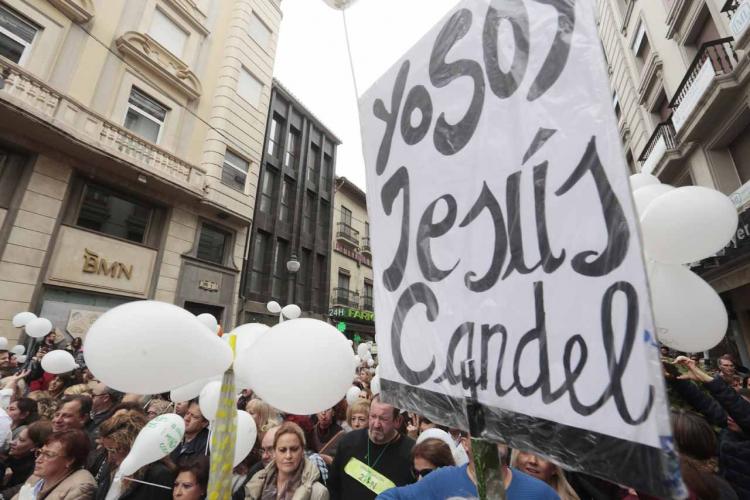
(510, 287)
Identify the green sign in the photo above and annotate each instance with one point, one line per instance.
(341, 326)
(347, 313)
(357, 338)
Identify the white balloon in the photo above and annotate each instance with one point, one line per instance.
(339, 4)
(370, 362)
(301, 366)
(688, 313)
(247, 334)
(189, 391)
(273, 307)
(21, 358)
(38, 327)
(3, 343)
(209, 320)
(357, 360)
(148, 347)
(459, 454)
(22, 318)
(375, 385)
(639, 180)
(292, 311)
(208, 401)
(352, 395)
(18, 349)
(247, 433)
(688, 224)
(363, 350)
(643, 196)
(155, 441)
(58, 361)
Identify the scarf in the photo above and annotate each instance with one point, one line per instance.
(270, 490)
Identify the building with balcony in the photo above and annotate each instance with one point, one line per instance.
(131, 133)
(351, 263)
(292, 214)
(680, 77)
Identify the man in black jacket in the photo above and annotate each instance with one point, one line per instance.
(369, 461)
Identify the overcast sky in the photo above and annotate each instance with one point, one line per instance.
(312, 62)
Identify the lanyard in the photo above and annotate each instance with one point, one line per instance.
(375, 463)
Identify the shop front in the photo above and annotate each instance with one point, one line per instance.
(358, 325)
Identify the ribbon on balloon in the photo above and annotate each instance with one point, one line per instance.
(223, 438)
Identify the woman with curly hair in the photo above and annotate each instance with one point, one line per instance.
(151, 482)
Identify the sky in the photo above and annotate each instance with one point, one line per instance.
(312, 61)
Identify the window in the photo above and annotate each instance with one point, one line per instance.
(287, 201)
(327, 172)
(346, 216)
(16, 36)
(292, 148)
(322, 280)
(167, 33)
(280, 257)
(110, 213)
(344, 281)
(212, 244)
(324, 221)
(234, 171)
(640, 46)
(308, 216)
(259, 31)
(367, 229)
(306, 266)
(739, 149)
(367, 298)
(258, 262)
(275, 135)
(313, 163)
(616, 105)
(268, 191)
(145, 116)
(249, 87)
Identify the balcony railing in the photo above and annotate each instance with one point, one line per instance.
(662, 140)
(714, 58)
(59, 111)
(365, 246)
(347, 233)
(367, 303)
(345, 297)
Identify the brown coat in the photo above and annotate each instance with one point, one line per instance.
(78, 486)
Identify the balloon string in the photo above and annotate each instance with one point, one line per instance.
(351, 61)
(150, 484)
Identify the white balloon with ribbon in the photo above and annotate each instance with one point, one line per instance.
(38, 327)
(208, 401)
(247, 433)
(688, 313)
(209, 320)
(155, 441)
(352, 395)
(3, 343)
(149, 347)
(317, 364)
(18, 349)
(339, 4)
(191, 390)
(58, 361)
(639, 180)
(22, 318)
(643, 196)
(375, 385)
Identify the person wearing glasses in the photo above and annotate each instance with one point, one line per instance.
(21, 458)
(430, 454)
(103, 402)
(58, 472)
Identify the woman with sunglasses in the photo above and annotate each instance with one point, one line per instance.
(58, 472)
(429, 455)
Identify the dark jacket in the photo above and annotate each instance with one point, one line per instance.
(198, 446)
(156, 473)
(734, 447)
(393, 460)
(22, 468)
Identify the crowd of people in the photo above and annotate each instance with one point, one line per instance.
(63, 437)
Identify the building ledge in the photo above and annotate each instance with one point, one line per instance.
(648, 90)
(79, 11)
(35, 100)
(150, 55)
(679, 17)
(191, 13)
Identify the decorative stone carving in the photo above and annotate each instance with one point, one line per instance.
(147, 52)
(80, 11)
(191, 13)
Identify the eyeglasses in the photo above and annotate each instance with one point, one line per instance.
(423, 472)
(48, 455)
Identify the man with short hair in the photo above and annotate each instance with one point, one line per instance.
(266, 450)
(103, 401)
(727, 369)
(369, 461)
(460, 482)
(195, 442)
(6, 369)
(323, 432)
(73, 414)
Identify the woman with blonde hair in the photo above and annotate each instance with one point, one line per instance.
(262, 413)
(116, 436)
(550, 473)
(77, 390)
(358, 415)
(290, 475)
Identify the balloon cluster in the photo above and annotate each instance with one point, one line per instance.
(55, 362)
(681, 226)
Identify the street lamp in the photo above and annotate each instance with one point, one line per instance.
(292, 265)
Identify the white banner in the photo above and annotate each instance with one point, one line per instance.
(504, 235)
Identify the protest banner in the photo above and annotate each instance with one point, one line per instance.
(510, 290)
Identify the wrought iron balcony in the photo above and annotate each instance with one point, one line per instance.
(345, 297)
(662, 140)
(714, 58)
(347, 233)
(365, 246)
